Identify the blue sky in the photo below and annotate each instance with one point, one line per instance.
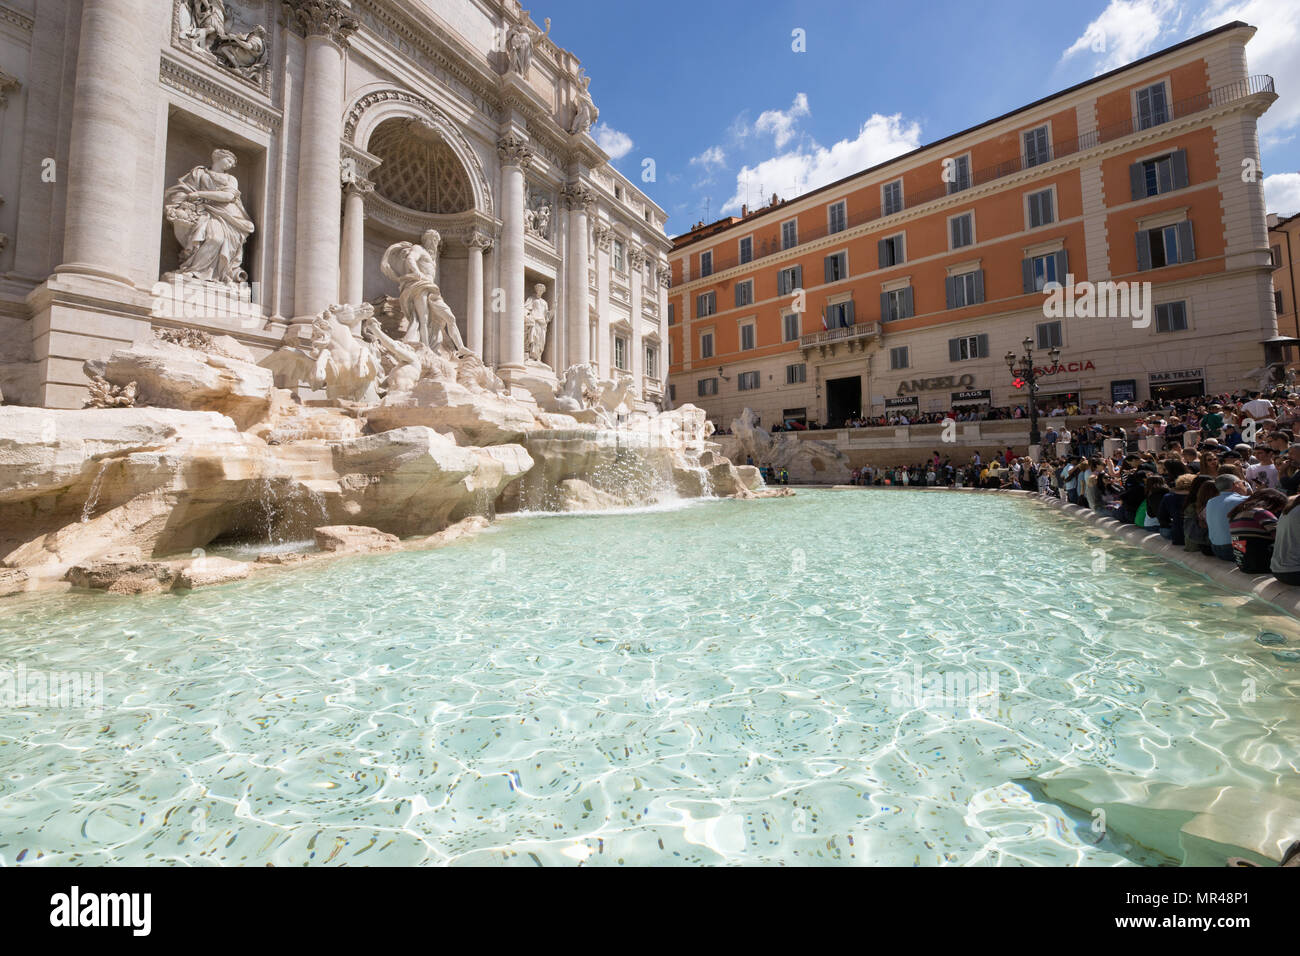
(715, 95)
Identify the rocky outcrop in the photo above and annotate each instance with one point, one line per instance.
(206, 571)
(355, 538)
(123, 577)
(449, 408)
(174, 376)
(77, 485)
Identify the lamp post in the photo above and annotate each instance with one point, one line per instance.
(1026, 372)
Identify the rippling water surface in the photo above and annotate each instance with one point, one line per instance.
(839, 677)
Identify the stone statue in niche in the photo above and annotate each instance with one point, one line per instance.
(414, 267)
(537, 318)
(204, 25)
(339, 360)
(207, 214)
(584, 109)
(537, 218)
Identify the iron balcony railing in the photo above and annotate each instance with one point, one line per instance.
(771, 246)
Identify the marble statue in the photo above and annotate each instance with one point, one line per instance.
(414, 267)
(207, 214)
(405, 364)
(536, 321)
(537, 219)
(613, 393)
(578, 390)
(584, 109)
(519, 47)
(339, 359)
(204, 24)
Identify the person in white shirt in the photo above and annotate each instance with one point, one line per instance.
(1258, 407)
(1264, 475)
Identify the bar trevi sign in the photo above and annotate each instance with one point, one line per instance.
(936, 384)
(1177, 375)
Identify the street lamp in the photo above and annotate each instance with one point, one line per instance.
(1026, 372)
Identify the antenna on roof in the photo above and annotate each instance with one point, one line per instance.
(706, 208)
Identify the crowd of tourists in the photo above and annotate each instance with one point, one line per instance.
(1226, 483)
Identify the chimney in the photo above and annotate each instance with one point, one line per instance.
(744, 211)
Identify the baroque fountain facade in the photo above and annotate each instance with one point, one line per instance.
(277, 267)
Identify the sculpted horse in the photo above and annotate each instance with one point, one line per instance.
(579, 389)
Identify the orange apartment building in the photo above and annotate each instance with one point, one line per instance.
(903, 286)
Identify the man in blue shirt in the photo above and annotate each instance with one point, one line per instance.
(1231, 492)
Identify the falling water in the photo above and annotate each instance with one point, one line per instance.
(96, 486)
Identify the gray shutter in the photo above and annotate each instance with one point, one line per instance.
(1062, 266)
(908, 308)
(826, 269)
(1137, 181)
(979, 285)
(880, 250)
(1178, 162)
(1186, 248)
(798, 277)
(739, 286)
(1027, 273)
(1143, 251)
(950, 291)
(848, 312)
(983, 340)
(954, 351)
(884, 307)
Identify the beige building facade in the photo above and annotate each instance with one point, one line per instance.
(311, 136)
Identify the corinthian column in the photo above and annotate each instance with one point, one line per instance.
(636, 259)
(354, 239)
(577, 320)
(476, 242)
(111, 70)
(327, 25)
(515, 155)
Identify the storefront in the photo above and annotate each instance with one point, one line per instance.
(1123, 390)
(906, 405)
(1177, 383)
(972, 399)
(794, 417)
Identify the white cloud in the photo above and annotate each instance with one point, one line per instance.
(1275, 49)
(711, 158)
(781, 123)
(1282, 193)
(615, 142)
(1125, 31)
(807, 167)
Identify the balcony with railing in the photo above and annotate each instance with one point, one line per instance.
(852, 336)
(1221, 96)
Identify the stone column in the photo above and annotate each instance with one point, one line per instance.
(477, 243)
(636, 360)
(577, 319)
(327, 25)
(354, 239)
(601, 350)
(516, 155)
(664, 279)
(110, 90)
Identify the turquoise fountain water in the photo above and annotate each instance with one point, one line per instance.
(839, 677)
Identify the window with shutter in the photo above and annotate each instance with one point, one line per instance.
(891, 198)
(1171, 317)
(898, 357)
(789, 234)
(1152, 108)
(960, 174)
(962, 230)
(746, 249)
(706, 264)
(1041, 212)
(790, 325)
(837, 218)
(747, 337)
(836, 267)
(1036, 148)
(1048, 335)
(744, 293)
